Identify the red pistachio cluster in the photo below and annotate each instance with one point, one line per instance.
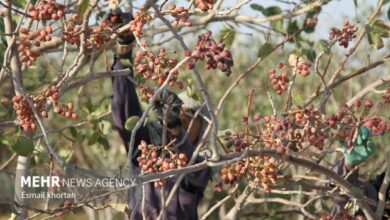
(47, 10)
(147, 93)
(348, 119)
(386, 97)
(259, 170)
(27, 40)
(299, 127)
(72, 32)
(377, 125)
(300, 64)
(180, 14)
(156, 66)
(155, 159)
(237, 141)
(204, 5)
(278, 80)
(141, 17)
(96, 36)
(100, 35)
(343, 35)
(304, 68)
(212, 53)
(26, 115)
(293, 131)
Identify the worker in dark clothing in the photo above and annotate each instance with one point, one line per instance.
(363, 148)
(124, 105)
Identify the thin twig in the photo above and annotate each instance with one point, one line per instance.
(214, 207)
(271, 102)
(201, 85)
(383, 192)
(8, 162)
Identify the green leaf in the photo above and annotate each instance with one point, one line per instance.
(80, 138)
(314, 12)
(189, 91)
(93, 138)
(388, 13)
(297, 99)
(381, 28)
(257, 7)
(265, 50)
(103, 142)
(3, 141)
(273, 10)
(33, 161)
(82, 8)
(355, 3)
(308, 29)
(374, 39)
(292, 27)
(310, 54)
(19, 3)
(323, 45)
(126, 63)
(73, 132)
(23, 146)
(86, 105)
(100, 15)
(104, 127)
(277, 25)
(227, 35)
(65, 152)
(130, 122)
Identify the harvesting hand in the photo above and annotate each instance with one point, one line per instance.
(362, 149)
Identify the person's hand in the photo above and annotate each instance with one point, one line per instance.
(123, 40)
(362, 149)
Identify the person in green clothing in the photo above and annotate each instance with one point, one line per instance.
(362, 149)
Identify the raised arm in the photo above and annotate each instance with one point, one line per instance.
(362, 149)
(125, 104)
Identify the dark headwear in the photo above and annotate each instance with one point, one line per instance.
(168, 103)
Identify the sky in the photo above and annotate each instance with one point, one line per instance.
(333, 14)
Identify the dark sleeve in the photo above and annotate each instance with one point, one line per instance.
(368, 189)
(339, 201)
(198, 179)
(125, 104)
